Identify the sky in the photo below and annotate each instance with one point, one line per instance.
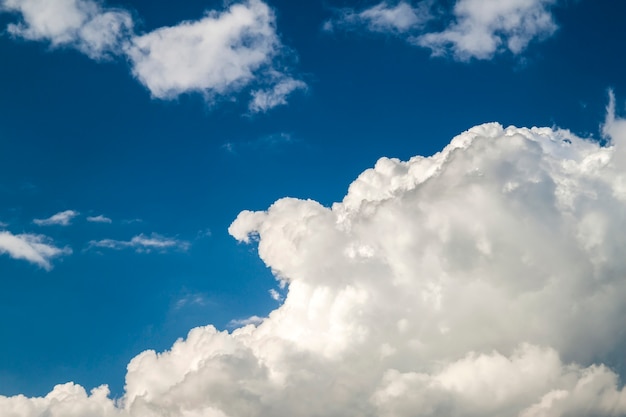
(338, 207)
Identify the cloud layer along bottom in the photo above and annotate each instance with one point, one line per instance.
(486, 280)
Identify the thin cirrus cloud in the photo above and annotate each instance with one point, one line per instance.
(142, 244)
(219, 55)
(99, 219)
(483, 281)
(474, 29)
(63, 218)
(36, 249)
(383, 17)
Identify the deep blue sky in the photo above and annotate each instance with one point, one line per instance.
(77, 134)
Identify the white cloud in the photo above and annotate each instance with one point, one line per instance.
(82, 24)
(484, 27)
(36, 249)
(383, 17)
(276, 95)
(99, 219)
(218, 55)
(192, 299)
(142, 243)
(63, 218)
(252, 320)
(476, 29)
(486, 280)
(276, 296)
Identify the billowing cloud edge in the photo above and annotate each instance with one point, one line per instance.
(484, 280)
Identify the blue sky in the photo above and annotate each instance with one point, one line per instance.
(148, 167)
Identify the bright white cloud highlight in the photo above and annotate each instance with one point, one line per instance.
(220, 54)
(99, 219)
(142, 243)
(36, 249)
(474, 29)
(486, 280)
(63, 218)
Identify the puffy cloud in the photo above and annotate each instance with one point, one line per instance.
(213, 55)
(82, 24)
(99, 219)
(37, 249)
(63, 218)
(482, 28)
(142, 243)
(476, 28)
(220, 54)
(485, 280)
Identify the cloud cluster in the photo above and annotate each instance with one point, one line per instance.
(476, 29)
(220, 54)
(485, 280)
(37, 249)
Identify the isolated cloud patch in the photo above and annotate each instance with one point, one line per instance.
(383, 17)
(36, 249)
(63, 218)
(213, 55)
(220, 54)
(99, 219)
(486, 280)
(474, 29)
(142, 243)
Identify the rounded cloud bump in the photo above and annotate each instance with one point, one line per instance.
(485, 280)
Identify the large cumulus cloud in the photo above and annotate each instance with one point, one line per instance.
(485, 280)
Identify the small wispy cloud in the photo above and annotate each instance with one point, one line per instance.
(142, 244)
(255, 320)
(36, 249)
(63, 218)
(188, 300)
(204, 233)
(275, 295)
(267, 142)
(99, 219)
(264, 100)
(382, 17)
